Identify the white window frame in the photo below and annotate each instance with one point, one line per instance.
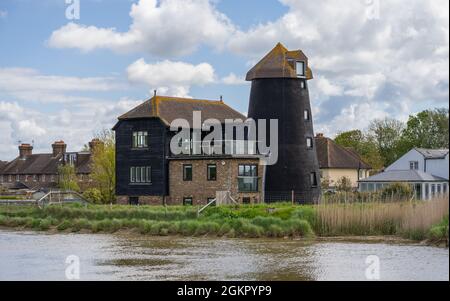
(303, 72)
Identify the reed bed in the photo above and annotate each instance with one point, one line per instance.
(410, 219)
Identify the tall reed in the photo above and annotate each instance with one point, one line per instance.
(405, 218)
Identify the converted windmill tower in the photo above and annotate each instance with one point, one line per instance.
(280, 91)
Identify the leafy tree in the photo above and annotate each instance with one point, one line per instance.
(387, 134)
(67, 178)
(428, 129)
(93, 195)
(363, 145)
(103, 165)
(344, 184)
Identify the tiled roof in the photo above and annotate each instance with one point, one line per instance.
(279, 63)
(404, 176)
(171, 108)
(44, 164)
(433, 153)
(2, 165)
(332, 155)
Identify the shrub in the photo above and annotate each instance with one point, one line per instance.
(398, 190)
(66, 224)
(275, 231)
(44, 224)
(93, 195)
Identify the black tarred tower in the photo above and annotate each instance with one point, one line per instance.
(280, 91)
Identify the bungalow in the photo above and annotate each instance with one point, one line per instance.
(425, 170)
(336, 162)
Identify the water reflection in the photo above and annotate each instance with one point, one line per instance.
(33, 256)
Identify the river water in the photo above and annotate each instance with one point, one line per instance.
(36, 256)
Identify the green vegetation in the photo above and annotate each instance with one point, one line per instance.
(418, 221)
(67, 178)
(387, 139)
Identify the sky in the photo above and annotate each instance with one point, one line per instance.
(67, 73)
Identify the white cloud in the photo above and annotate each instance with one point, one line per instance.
(234, 80)
(30, 85)
(174, 78)
(162, 28)
(75, 127)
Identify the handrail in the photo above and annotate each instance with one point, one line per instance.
(206, 206)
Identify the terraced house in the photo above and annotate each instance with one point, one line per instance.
(147, 172)
(40, 171)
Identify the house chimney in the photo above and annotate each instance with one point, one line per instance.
(59, 147)
(94, 143)
(25, 150)
(319, 135)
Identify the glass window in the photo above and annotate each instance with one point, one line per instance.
(148, 174)
(187, 172)
(300, 66)
(140, 139)
(187, 201)
(248, 170)
(313, 179)
(414, 165)
(248, 178)
(212, 172)
(303, 84)
(309, 142)
(306, 115)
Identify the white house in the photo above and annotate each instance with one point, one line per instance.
(426, 170)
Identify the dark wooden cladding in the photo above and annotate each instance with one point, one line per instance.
(284, 99)
(154, 155)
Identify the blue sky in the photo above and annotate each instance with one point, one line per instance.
(66, 79)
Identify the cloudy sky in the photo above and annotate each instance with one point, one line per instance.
(63, 77)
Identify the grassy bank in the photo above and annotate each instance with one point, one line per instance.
(418, 221)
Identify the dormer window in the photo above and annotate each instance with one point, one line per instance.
(301, 68)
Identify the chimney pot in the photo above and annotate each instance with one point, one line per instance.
(25, 150)
(59, 147)
(94, 143)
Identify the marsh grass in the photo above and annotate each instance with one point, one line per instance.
(409, 219)
(416, 220)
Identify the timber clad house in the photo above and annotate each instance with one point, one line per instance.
(40, 171)
(147, 172)
(425, 170)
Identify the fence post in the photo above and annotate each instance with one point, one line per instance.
(292, 197)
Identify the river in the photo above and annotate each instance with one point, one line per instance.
(37, 256)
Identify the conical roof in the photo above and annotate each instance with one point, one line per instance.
(279, 63)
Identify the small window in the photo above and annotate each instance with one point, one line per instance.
(301, 70)
(212, 172)
(246, 201)
(187, 201)
(309, 143)
(313, 179)
(18, 178)
(306, 115)
(187, 172)
(35, 178)
(414, 165)
(140, 139)
(303, 84)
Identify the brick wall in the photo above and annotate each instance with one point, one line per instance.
(200, 189)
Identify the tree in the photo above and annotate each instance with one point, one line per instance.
(67, 178)
(103, 165)
(387, 134)
(428, 129)
(363, 145)
(344, 184)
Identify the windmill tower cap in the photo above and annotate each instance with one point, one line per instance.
(279, 63)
